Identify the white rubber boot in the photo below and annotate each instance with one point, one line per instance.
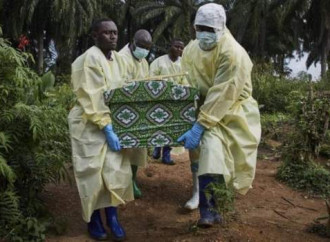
(194, 200)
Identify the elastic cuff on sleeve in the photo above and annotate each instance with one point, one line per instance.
(102, 123)
(206, 120)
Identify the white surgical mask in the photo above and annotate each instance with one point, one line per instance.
(207, 40)
(140, 53)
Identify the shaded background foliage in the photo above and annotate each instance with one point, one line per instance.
(269, 29)
(34, 144)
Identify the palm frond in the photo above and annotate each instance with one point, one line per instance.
(6, 172)
(170, 17)
(150, 15)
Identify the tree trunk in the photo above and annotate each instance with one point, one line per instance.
(325, 47)
(186, 7)
(323, 62)
(41, 53)
(129, 23)
(263, 30)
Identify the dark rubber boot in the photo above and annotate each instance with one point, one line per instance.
(95, 227)
(167, 156)
(117, 230)
(137, 192)
(208, 216)
(156, 153)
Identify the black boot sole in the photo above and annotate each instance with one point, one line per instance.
(204, 224)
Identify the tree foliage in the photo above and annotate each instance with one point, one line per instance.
(34, 145)
(317, 38)
(269, 29)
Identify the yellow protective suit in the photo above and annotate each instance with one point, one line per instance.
(227, 110)
(163, 65)
(135, 70)
(103, 177)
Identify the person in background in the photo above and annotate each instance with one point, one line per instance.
(23, 42)
(227, 132)
(167, 65)
(134, 55)
(102, 170)
(51, 55)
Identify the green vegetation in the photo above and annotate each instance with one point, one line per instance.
(34, 144)
(224, 197)
(274, 93)
(34, 140)
(299, 170)
(274, 126)
(309, 177)
(270, 30)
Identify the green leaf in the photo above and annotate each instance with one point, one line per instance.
(48, 81)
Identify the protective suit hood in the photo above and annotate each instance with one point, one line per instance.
(212, 15)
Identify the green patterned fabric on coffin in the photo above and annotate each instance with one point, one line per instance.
(151, 113)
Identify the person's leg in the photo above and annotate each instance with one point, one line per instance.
(95, 227)
(194, 200)
(156, 153)
(212, 167)
(166, 159)
(208, 216)
(136, 190)
(117, 230)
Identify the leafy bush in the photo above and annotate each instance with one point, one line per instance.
(223, 196)
(34, 144)
(29, 229)
(273, 126)
(311, 117)
(307, 176)
(272, 92)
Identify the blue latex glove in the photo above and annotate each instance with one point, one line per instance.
(111, 137)
(192, 137)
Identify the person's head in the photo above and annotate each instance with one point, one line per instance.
(176, 49)
(105, 35)
(141, 45)
(210, 23)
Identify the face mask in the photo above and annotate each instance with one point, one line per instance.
(140, 53)
(207, 40)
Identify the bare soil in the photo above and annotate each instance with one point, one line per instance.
(269, 212)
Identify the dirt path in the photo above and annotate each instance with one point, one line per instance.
(269, 212)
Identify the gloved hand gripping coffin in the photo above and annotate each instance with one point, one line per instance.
(151, 113)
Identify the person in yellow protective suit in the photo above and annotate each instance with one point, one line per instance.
(134, 55)
(170, 63)
(166, 65)
(101, 169)
(227, 131)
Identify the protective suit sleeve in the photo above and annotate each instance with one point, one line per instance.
(185, 68)
(228, 84)
(154, 69)
(89, 86)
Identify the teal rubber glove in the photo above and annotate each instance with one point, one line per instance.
(192, 137)
(112, 138)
